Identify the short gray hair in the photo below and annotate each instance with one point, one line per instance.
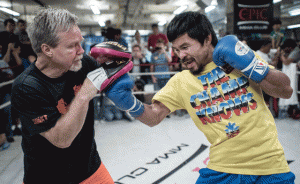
(47, 24)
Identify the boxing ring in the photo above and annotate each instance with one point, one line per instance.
(169, 153)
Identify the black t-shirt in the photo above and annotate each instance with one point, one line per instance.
(39, 102)
(7, 38)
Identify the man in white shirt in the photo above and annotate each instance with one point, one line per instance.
(264, 52)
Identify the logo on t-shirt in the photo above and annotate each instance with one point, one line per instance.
(40, 119)
(232, 130)
(62, 106)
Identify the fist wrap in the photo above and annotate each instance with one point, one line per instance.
(116, 62)
(120, 93)
(230, 50)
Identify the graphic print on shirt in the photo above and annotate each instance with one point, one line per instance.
(62, 105)
(40, 119)
(232, 130)
(214, 104)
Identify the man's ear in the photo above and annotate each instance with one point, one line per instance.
(208, 39)
(46, 49)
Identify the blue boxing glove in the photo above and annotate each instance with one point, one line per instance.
(120, 93)
(230, 50)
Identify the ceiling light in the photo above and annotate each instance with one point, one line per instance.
(294, 12)
(214, 3)
(95, 10)
(163, 22)
(5, 4)
(101, 23)
(276, 1)
(9, 11)
(180, 9)
(293, 26)
(209, 8)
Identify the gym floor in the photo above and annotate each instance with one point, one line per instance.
(170, 153)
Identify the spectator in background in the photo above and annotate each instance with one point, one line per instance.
(116, 35)
(278, 34)
(289, 56)
(13, 53)
(8, 37)
(152, 40)
(160, 60)
(108, 26)
(27, 54)
(139, 86)
(137, 40)
(264, 51)
(5, 113)
(139, 59)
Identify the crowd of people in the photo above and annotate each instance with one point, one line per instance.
(15, 56)
(57, 116)
(149, 54)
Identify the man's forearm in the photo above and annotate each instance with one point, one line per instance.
(277, 84)
(152, 115)
(69, 125)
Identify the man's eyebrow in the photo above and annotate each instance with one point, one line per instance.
(182, 45)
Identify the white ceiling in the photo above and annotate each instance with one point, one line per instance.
(126, 14)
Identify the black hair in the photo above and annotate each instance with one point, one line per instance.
(117, 31)
(154, 25)
(276, 20)
(288, 43)
(265, 41)
(21, 21)
(137, 45)
(110, 33)
(9, 20)
(140, 84)
(195, 24)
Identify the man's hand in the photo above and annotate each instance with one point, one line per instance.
(230, 50)
(121, 94)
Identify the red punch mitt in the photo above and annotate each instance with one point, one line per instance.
(115, 61)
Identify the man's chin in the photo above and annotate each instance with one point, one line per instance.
(76, 66)
(198, 71)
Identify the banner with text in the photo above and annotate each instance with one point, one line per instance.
(253, 16)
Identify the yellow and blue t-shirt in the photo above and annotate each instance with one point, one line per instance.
(230, 110)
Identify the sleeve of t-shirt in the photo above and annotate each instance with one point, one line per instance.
(295, 54)
(170, 94)
(36, 110)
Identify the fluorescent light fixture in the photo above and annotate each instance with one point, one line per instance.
(95, 10)
(9, 11)
(276, 1)
(5, 4)
(209, 8)
(163, 22)
(294, 12)
(293, 26)
(101, 23)
(214, 3)
(180, 9)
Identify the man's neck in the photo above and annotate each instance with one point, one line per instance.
(47, 68)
